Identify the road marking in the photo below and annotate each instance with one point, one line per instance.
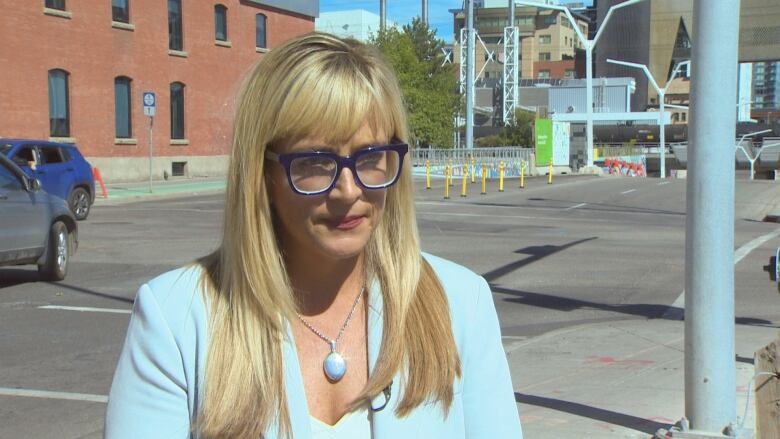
(577, 206)
(86, 309)
(677, 310)
(628, 191)
(663, 183)
(31, 393)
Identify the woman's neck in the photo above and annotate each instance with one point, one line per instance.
(326, 284)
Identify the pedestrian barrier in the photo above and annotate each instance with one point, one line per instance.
(522, 174)
(484, 179)
(447, 177)
(427, 174)
(99, 179)
(550, 174)
(465, 180)
(501, 177)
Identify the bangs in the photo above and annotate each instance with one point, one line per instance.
(330, 104)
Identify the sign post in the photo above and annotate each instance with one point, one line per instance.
(150, 107)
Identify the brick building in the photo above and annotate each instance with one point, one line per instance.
(74, 71)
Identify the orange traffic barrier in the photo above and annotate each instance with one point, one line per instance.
(99, 179)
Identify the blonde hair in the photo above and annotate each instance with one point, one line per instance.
(320, 86)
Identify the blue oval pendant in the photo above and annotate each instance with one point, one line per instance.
(335, 366)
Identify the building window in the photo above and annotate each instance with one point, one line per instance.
(120, 11)
(177, 110)
(123, 116)
(545, 39)
(220, 23)
(175, 38)
(260, 31)
(550, 19)
(569, 74)
(543, 74)
(683, 116)
(59, 115)
(56, 4)
(544, 56)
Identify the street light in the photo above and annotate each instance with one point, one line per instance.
(589, 45)
(661, 99)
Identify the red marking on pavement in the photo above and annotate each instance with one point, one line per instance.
(612, 360)
(662, 420)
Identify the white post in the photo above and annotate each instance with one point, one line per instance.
(662, 129)
(589, 100)
(710, 375)
(151, 151)
(382, 14)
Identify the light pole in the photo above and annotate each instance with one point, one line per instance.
(661, 100)
(589, 45)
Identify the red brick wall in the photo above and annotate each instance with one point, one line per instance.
(94, 54)
(557, 68)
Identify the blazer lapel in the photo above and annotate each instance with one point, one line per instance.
(296, 394)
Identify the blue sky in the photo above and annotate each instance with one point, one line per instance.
(402, 11)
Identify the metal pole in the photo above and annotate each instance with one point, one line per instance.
(425, 11)
(662, 128)
(151, 151)
(470, 74)
(511, 13)
(589, 100)
(710, 376)
(382, 14)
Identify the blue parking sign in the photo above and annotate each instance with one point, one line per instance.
(150, 103)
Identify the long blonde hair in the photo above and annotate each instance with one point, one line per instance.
(320, 86)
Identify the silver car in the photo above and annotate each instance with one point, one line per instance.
(35, 227)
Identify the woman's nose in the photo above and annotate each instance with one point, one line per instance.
(346, 186)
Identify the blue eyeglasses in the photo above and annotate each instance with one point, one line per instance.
(316, 172)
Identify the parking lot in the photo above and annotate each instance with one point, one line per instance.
(571, 265)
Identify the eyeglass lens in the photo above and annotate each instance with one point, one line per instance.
(375, 169)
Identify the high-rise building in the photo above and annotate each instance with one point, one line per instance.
(766, 91)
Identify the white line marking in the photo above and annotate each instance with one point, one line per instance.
(677, 310)
(628, 191)
(575, 207)
(86, 309)
(663, 183)
(31, 393)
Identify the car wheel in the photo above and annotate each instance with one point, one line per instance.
(55, 267)
(79, 203)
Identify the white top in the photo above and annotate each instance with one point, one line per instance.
(353, 425)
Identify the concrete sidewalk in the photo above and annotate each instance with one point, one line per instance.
(135, 191)
(622, 379)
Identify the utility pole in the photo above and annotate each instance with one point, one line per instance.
(470, 74)
(425, 12)
(710, 374)
(382, 14)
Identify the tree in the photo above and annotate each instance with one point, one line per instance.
(519, 132)
(429, 86)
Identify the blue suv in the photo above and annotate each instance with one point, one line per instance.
(60, 167)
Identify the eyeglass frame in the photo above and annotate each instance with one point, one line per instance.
(342, 162)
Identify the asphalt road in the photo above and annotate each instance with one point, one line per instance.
(581, 251)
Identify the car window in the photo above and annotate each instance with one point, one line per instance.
(50, 154)
(9, 180)
(5, 147)
(66, 156)
(27, 153)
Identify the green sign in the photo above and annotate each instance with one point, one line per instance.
(544, 142)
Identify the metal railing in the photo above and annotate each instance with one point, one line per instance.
(491, 158)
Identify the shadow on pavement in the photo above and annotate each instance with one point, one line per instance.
(537, 253)
(647, 310)
(633, 422)
(10, 277)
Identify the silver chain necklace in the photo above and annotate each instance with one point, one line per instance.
(335, 366)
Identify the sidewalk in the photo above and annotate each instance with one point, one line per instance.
(622, 379)
(135, 191)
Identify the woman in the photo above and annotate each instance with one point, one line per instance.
(318, 316)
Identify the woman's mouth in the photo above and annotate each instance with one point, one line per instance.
(347, 222)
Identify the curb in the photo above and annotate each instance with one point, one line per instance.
(119, 194)
(773, 217)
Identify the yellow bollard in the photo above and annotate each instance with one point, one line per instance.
(549, 176)
(522, 174)
(427, 174)
(484, 178)
(472, 169)
(447, 182)
(451, 169)
(501, 176)
(465, 180)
